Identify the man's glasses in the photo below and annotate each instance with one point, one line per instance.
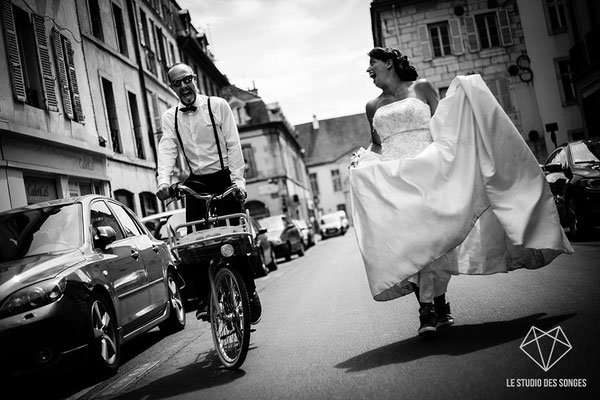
(185, 79)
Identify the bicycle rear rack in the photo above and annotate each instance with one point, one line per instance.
(205, 244)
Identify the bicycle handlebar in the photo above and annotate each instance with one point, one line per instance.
(179, 190)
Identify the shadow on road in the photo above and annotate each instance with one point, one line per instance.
(454, 341)
(206, 372)
(76, 376)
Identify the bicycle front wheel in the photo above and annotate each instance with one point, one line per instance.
(230, 317)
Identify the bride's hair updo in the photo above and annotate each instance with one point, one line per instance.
(404, 69)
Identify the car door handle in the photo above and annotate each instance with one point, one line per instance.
(135, 254)
(155, 248)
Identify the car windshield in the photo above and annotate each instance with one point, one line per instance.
(272, 223)
(40, 231)
(586, 152)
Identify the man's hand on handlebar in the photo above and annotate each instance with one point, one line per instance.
(240, 194)
(164, 192)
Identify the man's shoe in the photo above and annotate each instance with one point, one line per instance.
(255, 309)
(202, 312)
(427, 319)
(443, 316)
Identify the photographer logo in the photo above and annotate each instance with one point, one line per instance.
(546, 348)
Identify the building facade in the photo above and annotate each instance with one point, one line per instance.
(276, 175)
(50, 144)
(583, 23)
(449, 38)
(328, 146)
(84, 90)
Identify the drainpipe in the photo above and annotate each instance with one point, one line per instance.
(138, 58)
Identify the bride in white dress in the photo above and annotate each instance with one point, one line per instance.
(456, 192)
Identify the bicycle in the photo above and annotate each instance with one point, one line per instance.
(226, 247)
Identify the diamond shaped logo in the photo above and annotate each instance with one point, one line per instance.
(546, 348)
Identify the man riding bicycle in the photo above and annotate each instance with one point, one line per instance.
(207, 137)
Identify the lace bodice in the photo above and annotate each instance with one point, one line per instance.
(403, 127)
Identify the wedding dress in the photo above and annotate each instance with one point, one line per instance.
(460, 190)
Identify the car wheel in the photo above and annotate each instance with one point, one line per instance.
(104, 346)
(176, 320)
(577, 229)
(301, 251)
(273, 264)
(263, 270)
(288, 252)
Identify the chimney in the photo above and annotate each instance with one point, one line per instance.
(315, 123)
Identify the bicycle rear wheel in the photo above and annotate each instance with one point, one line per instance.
(230, 317)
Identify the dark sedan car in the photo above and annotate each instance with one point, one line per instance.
(285, 237)
(80, 275)
(573, 173)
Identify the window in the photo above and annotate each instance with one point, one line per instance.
(336, 180)
(488, 30)
(499, 87)
(120, 27)
(148, 203)
(101, 216)
(250, 166)
(440, 39)
(556, 20)
(29, 57)
(314, 184)
(131, 228)
(125, 197)
(96, 19)
(65, 63)
(565, 81)
(136, 125)
(111, 114)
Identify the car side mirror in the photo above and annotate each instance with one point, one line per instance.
(552, 168)
(105, 236)
(262, 231)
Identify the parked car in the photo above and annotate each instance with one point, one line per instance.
(80, 276)
(160, 224)
(573, 173)
(308, 232)
(335, 223)
(285, 237)
(267, 260)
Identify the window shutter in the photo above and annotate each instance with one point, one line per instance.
(62, 74)
(505, 31)
(14, 55)
(472, 36)
(455, 37)
(156, 113)
(141, 15)
(78, 111)
(39, 29)
(425, 43)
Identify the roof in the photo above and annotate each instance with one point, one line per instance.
(334, 138)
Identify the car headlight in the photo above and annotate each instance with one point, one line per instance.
(34, 296)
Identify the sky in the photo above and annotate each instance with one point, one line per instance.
(310, 56)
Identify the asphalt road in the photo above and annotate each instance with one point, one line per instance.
(322, 336)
